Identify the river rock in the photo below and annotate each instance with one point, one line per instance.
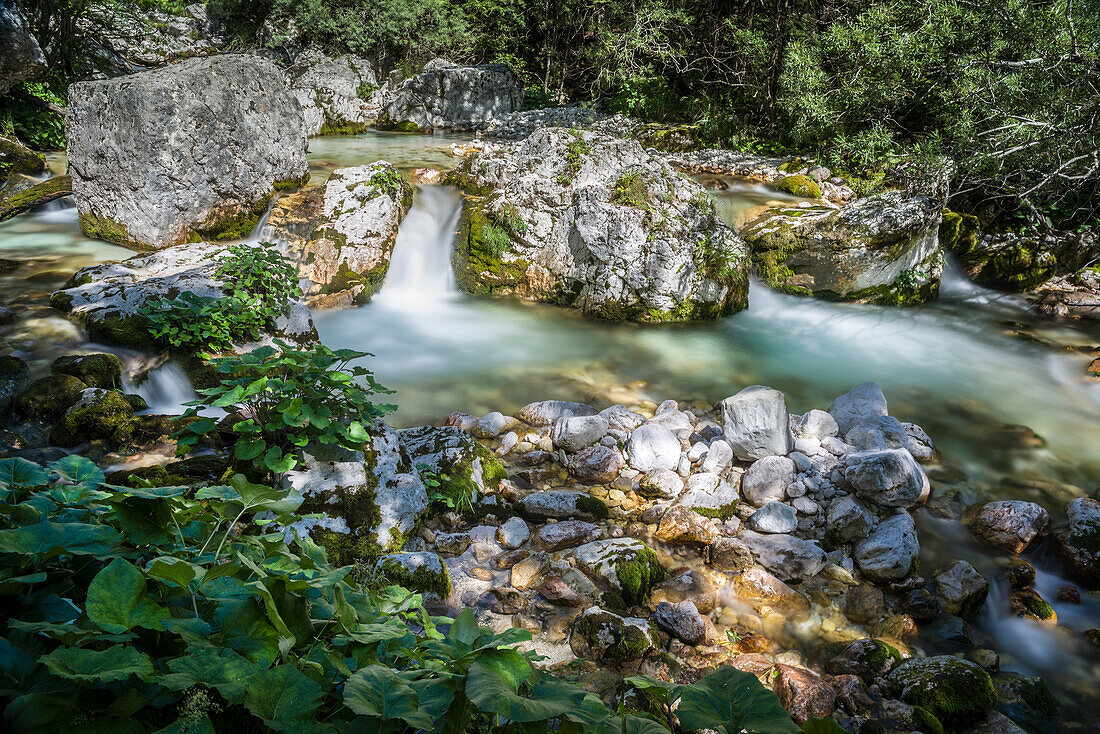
(731, 555)
(337, 95)
(548, 412)
(887, 432)
(94, 370)
(1079, 542)
(886, 477)
(845, 521)
(660, 484)
(719, 456)
(756, 423)
(597, 223)
(681, 620)
(1011, 525)
(767, 480)
(787, 556)
(681, 525)
(653, 446)
(602, 635)
(452, 543)
(529, 572)
(191, 149)
(890, 551)
(863, 401)
(623, 565)
(14, 375)
(21, 57)
(803, 693)
(621, 418)
(107, 299)
(448, 96)
(561, 504)
(817, 424)
(957, 692)
(596, 464)
(566, 534)
(961, 589)
(98, 414)
(768, 595)
(880, 249)
(463, 467)
(422, 571)
(332, 480)
(773, 517)
(710, 495)
(574, 434)
(690, 586)
(513, 533)
(867, 658)
(342, 234)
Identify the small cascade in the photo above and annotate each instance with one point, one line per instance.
(256, 236)
(420, 269)
(166, 390)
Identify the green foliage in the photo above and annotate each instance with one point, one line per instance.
(574, 152)
(365, 90)
(386, 180)
(495, 240)
(259, 284)
(287, 399)
(181, 609)
(436, 485)
(26, 113)
(630, 190)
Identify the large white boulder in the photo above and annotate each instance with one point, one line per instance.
(756, 423)
(450, 96)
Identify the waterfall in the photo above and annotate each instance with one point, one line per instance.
(166, 390)
(420, 268)
(256, 236)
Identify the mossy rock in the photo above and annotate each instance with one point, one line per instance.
(96, 416)
(1019, 267)
(799, 185)
(13, 368)
(47, 398)
(1027, 603)
(463, 468)
(478, 256)
(125, 331)
(958, 232)
(422, 572)
(610, 637)
(385, 122)
(670, 138)
(957, 692)
(628, 567)
(94, 370)
(341, 126)
(232, 227)
(104, 228)
(925, 722)
(18, 158)
(1027, 701)
(868, 658)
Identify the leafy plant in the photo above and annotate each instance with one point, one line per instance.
(574, 151)
(386, 180)
(365, 90)
(262, 273)
(433, 483)
(287, 399)
(630, 190)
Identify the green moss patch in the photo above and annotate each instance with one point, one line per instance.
(421, 572)
(638, 575)
(99, 418)
(48, 398)
(799, 185)
(233, 227)
(106, 229)
(94, 370)
(957, 692)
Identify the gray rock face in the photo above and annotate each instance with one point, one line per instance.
(547, 412)
(890, 551)
(881, 249)
(886, 477)
(344, 230)
(653, 446)
(574, 434)
(567, 534)
(817, 424)
(681, 620)
(861, 402)
(513, 533)
(596, 464)
(1008, 524)
(756, 423)
(961, 590)
(710, 494)
(621, 418)
(788, 557)
(597, 223)
(21, 57)
(773, 517)
(660, 484)
(847, 520)
(449, 96)
(560, 504)
(767, 479)
(106, 299)
(328, 91)
(197, 147)
(887, 432)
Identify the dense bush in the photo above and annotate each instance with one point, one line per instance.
(175, 609)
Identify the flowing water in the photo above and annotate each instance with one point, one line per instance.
(972, 368)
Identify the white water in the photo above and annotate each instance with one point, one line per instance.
(420, 268)
(165, 389)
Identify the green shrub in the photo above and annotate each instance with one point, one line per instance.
(574, 152)
(630, 190)
(288, 399)
(261, 273)
(365, 90)
(387, 181)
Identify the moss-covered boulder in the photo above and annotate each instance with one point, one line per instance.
(1027, 701)
(369, 502)
(627, 568)
(422, 571)
(463, 468)
(47, 398)
(605, 636)
(1007, 262)
(868, 658)
(882, 249)
(14, 373)
(561, 504)
(18, 158)
(1029, 604)
(957, 692)
(94, 370)
(799, 185)
(342, 234)
(99, 414)
(596, 223)
(23, 199)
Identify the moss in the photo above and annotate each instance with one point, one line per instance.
(106, 229)
(924, 721)
(1028, 603)
(234, 227)
(36, 195)
(1019, 267)
(638, 575)
(341, 126)
(13, 368)
(48, 398)
(155, 476)
(957, 693)
(385, 122)
(773, 241)
(478, 258)
(94, 370)
(611, 636)
(799, 185)
(630, 190)
(18, 158)
(421, 579)
(61, 301)
(291, 183)
(670, 138)
(794, 165)
(371, 280)
(958, 232)
(575, 150)
(725, 512)
(1027, 701)
(125, 331)
(100, 418)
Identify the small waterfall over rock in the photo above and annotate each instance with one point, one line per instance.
(420, 268)
(165, 389)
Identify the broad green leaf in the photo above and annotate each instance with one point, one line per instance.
(21, 474)
(49, 538)
(278, 462)
(248, 449)
(19, 584)
(491, 686)
(78, 470)
(245, 628)
(218, 668)
(219, 492)
(36, 712)
(283, 698)
(729, 700)
(822, 726)
(147, 493)
(117, 662)
(188, 725)
(118, 600)
(172, 571)
(378, 691)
